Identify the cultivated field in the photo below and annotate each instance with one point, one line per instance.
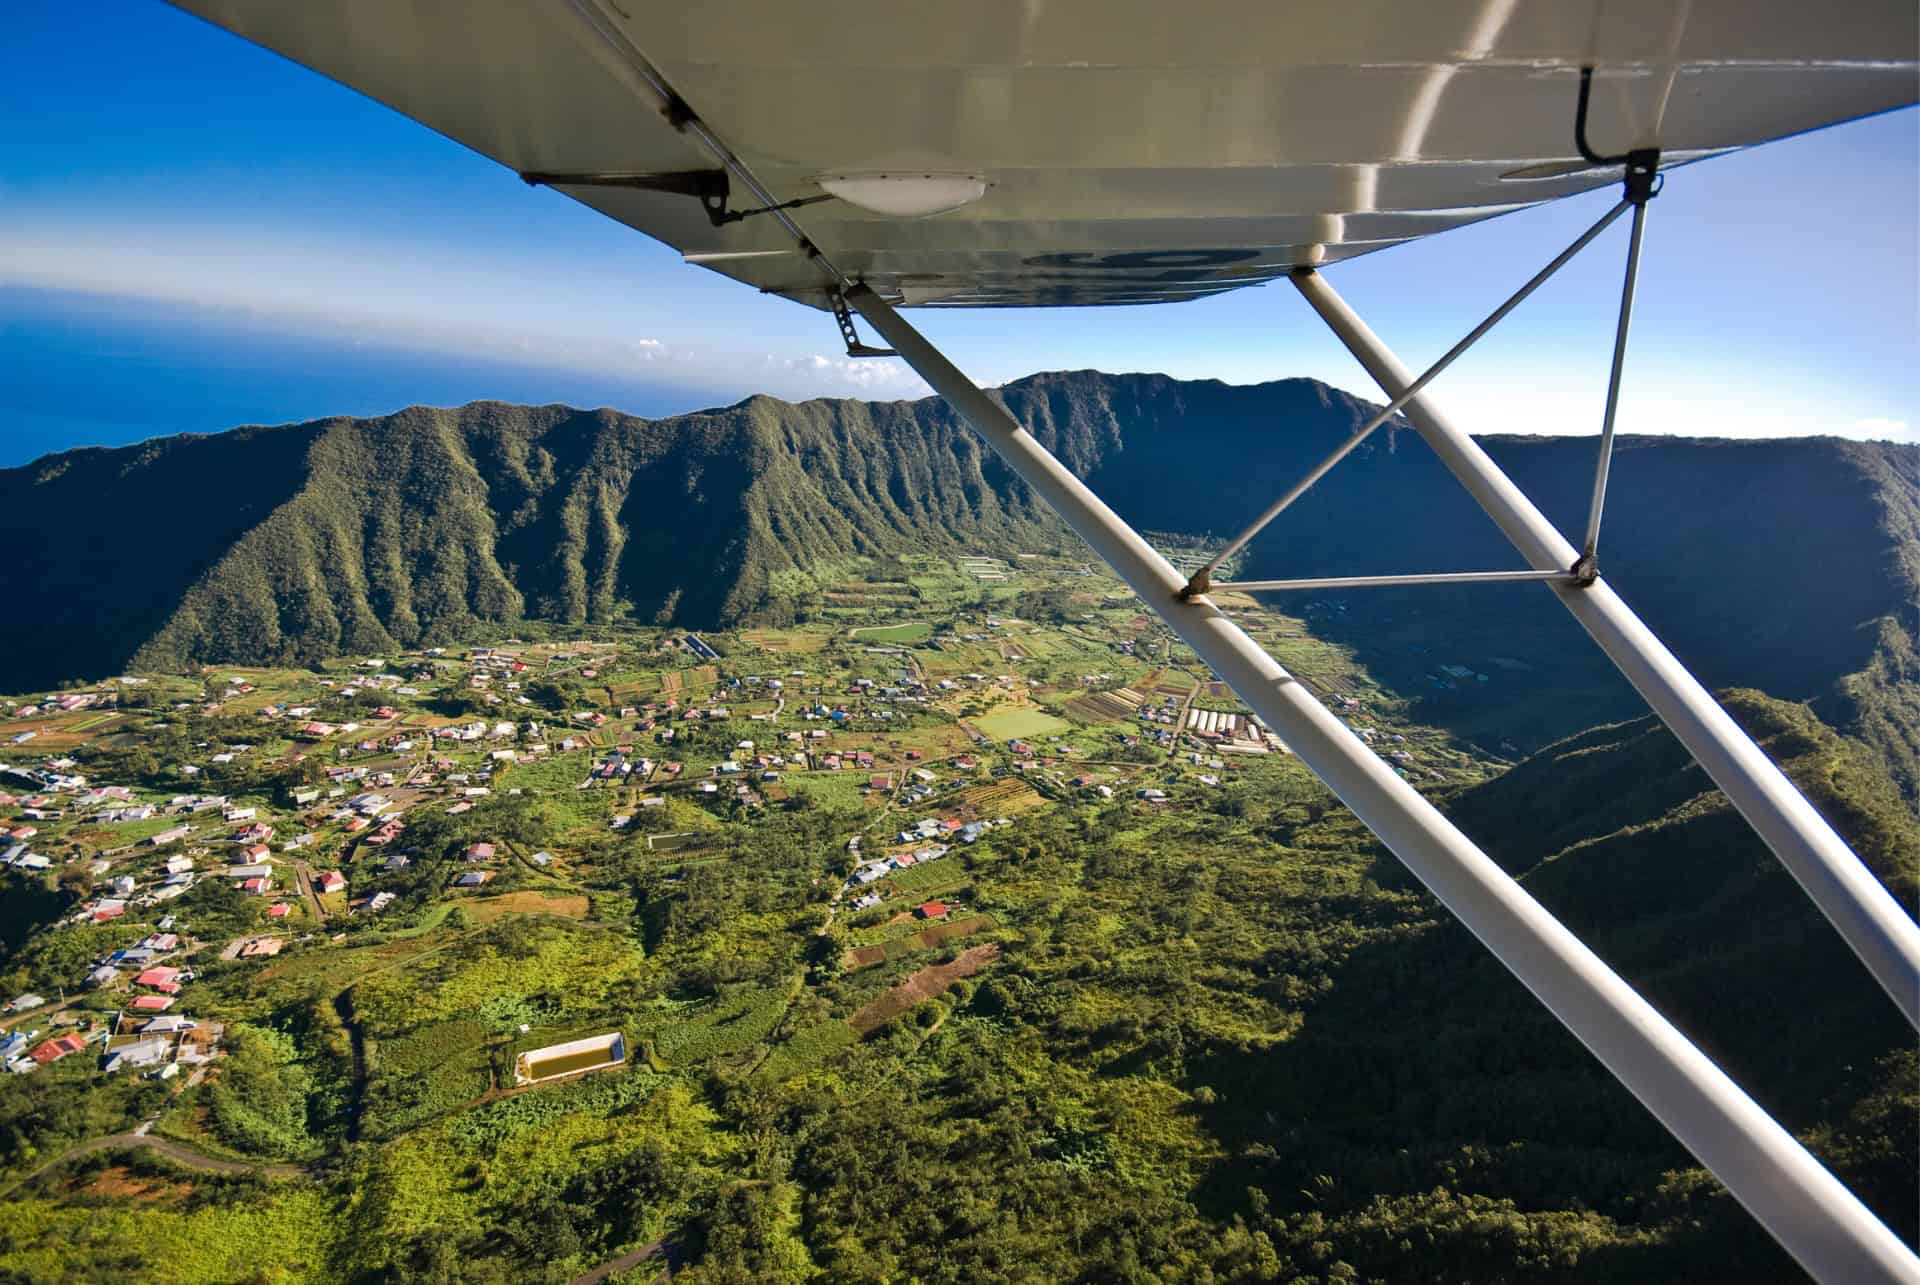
(922, 986)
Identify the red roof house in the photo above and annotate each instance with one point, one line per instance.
(331, 881)
(932, 910)
(279, 910)
(55, 1049)
(158, 977)
(153, 1003)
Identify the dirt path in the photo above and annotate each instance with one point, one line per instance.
(540, 872)
(627, 1262)
(303, 879)
(35, 1014)
(922, 986)
(177, 1152)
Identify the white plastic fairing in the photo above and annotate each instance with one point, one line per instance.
(906, 195)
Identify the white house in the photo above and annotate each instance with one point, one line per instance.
(144, 1052)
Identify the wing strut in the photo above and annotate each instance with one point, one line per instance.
(1805, 1208)
(1874, 925)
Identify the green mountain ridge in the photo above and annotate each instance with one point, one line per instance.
(1787, 565)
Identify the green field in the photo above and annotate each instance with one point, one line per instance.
(844, 788)
(912, 632)
(1010, 723)
(929, 877)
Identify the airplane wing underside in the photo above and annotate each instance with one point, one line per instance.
(1131, 151)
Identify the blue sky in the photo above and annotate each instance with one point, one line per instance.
(195, 233)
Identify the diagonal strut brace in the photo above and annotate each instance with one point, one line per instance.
(1641, 182)
(1201, 580)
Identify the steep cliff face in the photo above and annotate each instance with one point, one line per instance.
(1784, 565)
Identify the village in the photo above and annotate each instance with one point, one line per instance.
(190, 838)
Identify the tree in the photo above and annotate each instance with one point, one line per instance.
(559, 694)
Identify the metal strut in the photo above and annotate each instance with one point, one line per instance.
(1394, 582)
(1859, 906)
(1875, 926)
(1201, 580)
(855, 346)
(1642, 184)
(1587, 567)
(1803, 1206)
(710, 187)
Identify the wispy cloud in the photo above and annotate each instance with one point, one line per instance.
(865, 376)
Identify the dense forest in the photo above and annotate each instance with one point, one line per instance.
(290, 545)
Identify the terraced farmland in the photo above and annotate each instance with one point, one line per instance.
(998, 798)
(1105, 707)
(858, 957)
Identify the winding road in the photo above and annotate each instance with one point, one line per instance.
(177, 1152)
(627, 1262)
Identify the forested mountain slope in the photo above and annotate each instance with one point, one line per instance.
(1784, 565)
(1426, 1036)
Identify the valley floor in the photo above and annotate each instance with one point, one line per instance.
(969, 931)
